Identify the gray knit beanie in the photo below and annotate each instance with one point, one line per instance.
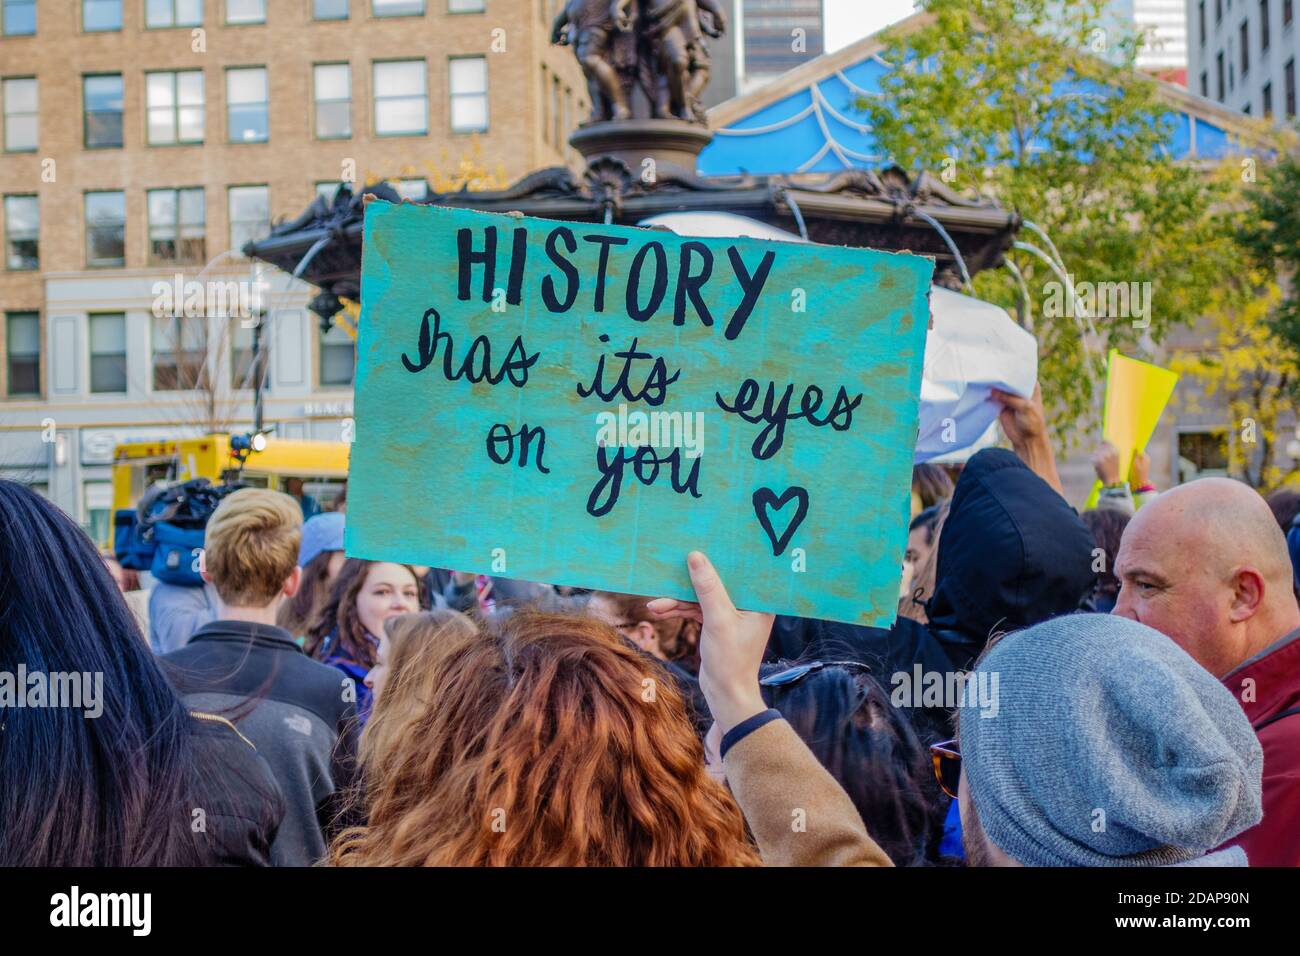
(1109, 746)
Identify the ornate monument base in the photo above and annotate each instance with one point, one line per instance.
(636, 140)
(640, 166)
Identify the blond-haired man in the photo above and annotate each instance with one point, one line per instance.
(298, 713)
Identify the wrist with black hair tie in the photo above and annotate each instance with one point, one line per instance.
(746, 727)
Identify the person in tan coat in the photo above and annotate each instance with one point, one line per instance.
(797, 812)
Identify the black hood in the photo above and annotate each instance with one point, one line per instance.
(1012, 553)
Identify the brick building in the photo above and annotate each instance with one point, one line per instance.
(145, 139)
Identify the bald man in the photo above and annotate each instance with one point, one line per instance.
(1206, 564)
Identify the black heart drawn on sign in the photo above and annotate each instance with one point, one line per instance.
(765, 499)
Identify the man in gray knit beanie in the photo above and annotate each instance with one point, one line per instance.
(1110, 747)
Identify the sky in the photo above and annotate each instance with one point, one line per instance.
(848, 21)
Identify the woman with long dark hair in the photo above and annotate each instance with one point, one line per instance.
(110, 770)
(868, 745)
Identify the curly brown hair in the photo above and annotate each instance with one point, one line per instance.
(339, 615)
(543, 740)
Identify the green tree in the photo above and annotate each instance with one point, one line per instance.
(1249, 358)
(1242, 363)
(1036, 103)
(1271, 232)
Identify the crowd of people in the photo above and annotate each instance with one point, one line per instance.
(1114, 688)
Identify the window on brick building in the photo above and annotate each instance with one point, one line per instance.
(338, 356)
(177, 226)
(107, 352)
(245, 11)
(173, 13)
(401, 98)
(397, 8)
(101, 15)
(332, 88)
(469, 94)
(18, 18)
(23, 353)
(21, 113)
(106, 228)
(22, 233)
(174, 107)
(102, 98)
(329, 9)
(247, 108)
(180, 352)
(250, 214)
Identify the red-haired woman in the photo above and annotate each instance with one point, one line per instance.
(542, 740)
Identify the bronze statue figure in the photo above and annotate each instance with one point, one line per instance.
(589, 26)
(674, 33)
(658, 45)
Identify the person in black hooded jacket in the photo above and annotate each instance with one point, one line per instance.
(1012, 553)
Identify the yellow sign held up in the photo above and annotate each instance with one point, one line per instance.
(1136, 395)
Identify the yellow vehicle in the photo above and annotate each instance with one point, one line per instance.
(275, 463)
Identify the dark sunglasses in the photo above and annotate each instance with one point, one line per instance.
(947, 765)
(792, 675)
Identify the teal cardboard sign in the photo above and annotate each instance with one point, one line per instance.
(584, 404)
